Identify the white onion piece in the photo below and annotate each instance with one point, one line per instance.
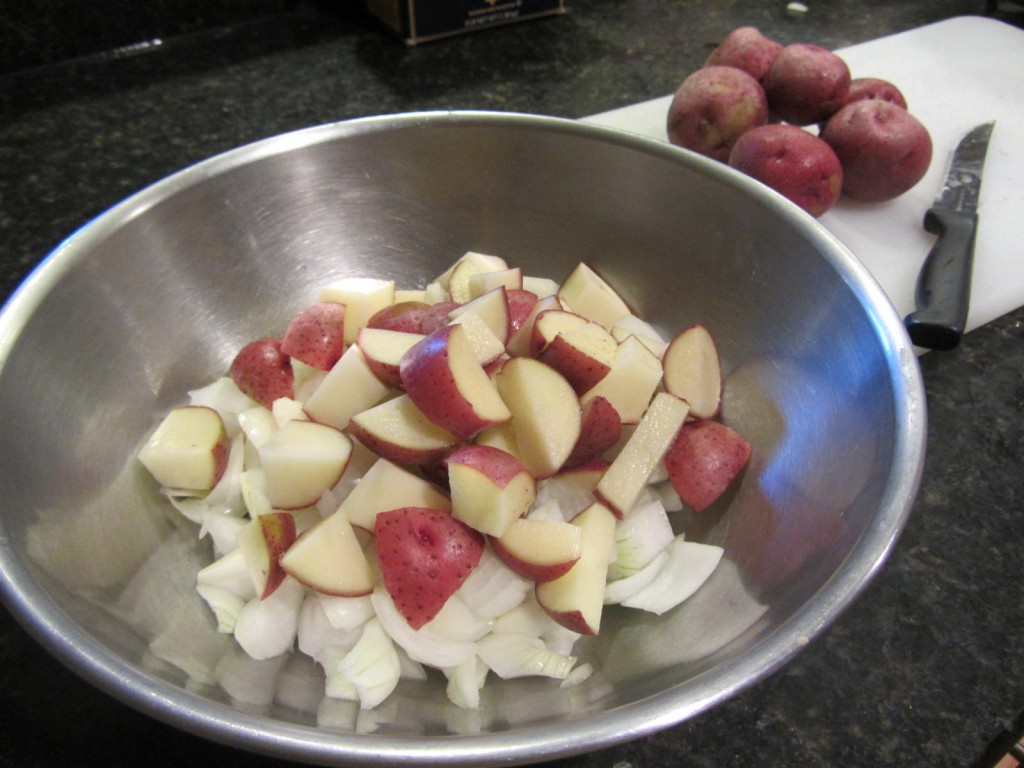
(465, 682)
(570, 496)
(229, 572)
(267, 627)
(253, 484)
(328, 503)
(669, 497)
(372, 666)
(492, 588)
(285, 409)
(346, 612)
(257, 425)
(689, 566)
(336, 685)
(225, 606)
(549, 510)
(530, 619)
(421, 644)
(577, 675)
(224, 396)
(315, 631)
(659, 475)
(559, 639)
(644, 533)
(307, 379)
(223, 530)
(457, 621)
(513, 655)
(623, 589)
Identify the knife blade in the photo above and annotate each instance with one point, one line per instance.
(944, 285)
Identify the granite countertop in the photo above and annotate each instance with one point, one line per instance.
(926, 668)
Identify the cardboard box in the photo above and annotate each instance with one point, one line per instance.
(418, 21)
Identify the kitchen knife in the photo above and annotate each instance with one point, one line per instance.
(944, 285)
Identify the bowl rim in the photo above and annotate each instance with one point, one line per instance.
(83, 654)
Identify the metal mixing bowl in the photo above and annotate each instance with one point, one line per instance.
(154, 297)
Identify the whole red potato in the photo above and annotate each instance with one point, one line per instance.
(713, 107)
(884, 150)
(793, 162)
(806, 84)
(863, 88)
(745, 48)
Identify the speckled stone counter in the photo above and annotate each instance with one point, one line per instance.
(926, 668)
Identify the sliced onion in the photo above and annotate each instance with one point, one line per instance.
(465, 682)
(510, 655)
(372, 666)
(267, 628)
(315, 631)
(492, 588)
(225, 606)
(229, 572)
(223, 530)
(689, 565)
(639, 537)
(224, 396)
(623, 589)
(457, 621)
(421, 644)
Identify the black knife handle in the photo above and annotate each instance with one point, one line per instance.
(944, 285)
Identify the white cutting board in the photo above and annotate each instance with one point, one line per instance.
(955, 74)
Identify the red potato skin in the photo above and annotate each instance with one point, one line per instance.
(520, 303)
(388, 374)
(403, 316)
(428, 380)
(543, 332)
(278, 530)
(436, 316)
(703, 461)
(316, 336)
(573, 621)
(806, 84)
(400, 454)
(600, 429)
(884, 149)
(221, 454)
(712, 108)
(535, 573)
(413, 317)
(425, 555)
(580, 369)
(263, 371)
(793, 162)
(745, 48)
(864, 88)
(497, 465)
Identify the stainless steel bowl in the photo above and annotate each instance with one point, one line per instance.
(155, 296)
